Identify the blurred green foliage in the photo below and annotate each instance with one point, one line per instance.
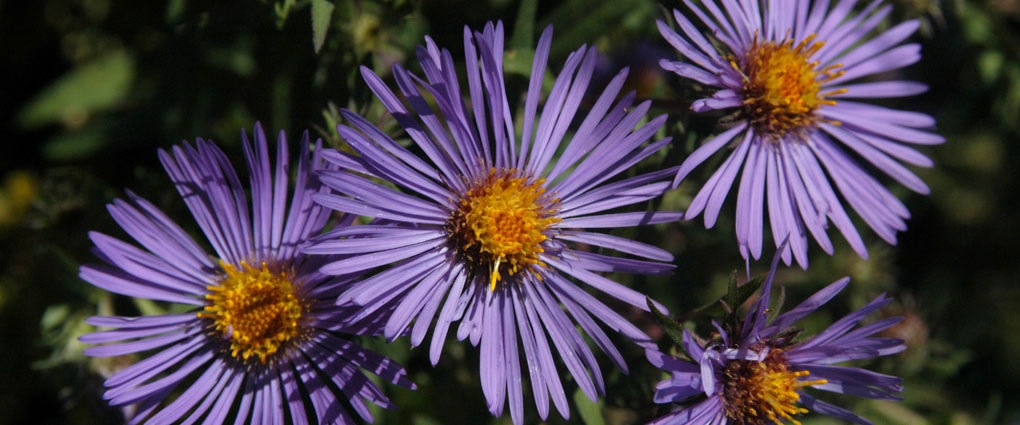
(93, 88)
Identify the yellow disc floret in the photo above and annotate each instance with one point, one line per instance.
(256, 309)
(500, 223)
(782, 85)
(764, 392)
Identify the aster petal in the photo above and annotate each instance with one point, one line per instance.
(376, 290)
(690, 71)
(360, 263)
(120, 282)
(856, 382)
(352, 206)
(432, 146)
(133, 394)
(880, 45)
(619, 244)
(596, 127)
(143, 344)
(750, 197)
(428, 291)
(145, 266)
(305, 218)
(808, 306)
(873, 123)
(551, 380)
(620, 193)
(564, 104)
(820, 190)
(895, 58)
(851, 31)
(212, 191)
(618, 151)
(879, 89)
(363, 358)
(161, 236)
(609, 264)
(453, 308)
(810, 209)
(879, 159)
(704, 151)
(882, 211)
(620, 220)
(711, 197)
(531, 355)
(139, 322)
(206, 389)
(218, 397)
(576, 355)
(386, 158)
(686, 49)
(334, 244)
(785, 224)
(601, 283)
(367, 191)
(493, 358)
(824, 408)
(565, 290)
(580, 314)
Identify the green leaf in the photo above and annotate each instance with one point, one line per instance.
(673, 328)
(590, 411)
(727, 305)
(75, 144)
(322, 15)
(524, 28)
(98, 85)
(599, 18)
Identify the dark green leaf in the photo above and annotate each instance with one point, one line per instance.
(322, 15)
(590, 411)
(673, 328)
(98, 85)
(735, 296)
(524, 28)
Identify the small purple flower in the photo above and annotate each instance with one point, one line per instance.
(757, 374)
(263, 342)
(481, 231)
(789, 69)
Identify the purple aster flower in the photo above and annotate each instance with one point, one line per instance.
(264, 342)
(757, 374)
(482, 231)
(789, 69)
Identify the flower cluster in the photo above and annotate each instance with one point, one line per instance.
(757, 372)
(268, 344)
(793, 72)
(482, 233)
(492, 224)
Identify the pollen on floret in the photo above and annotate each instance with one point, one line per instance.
(500, 223)
(783, 86)
(255, 309)
(764, 392)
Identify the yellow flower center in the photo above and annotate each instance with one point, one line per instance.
(782, 87)
(764, 392)
(255, 308)
(500, 223)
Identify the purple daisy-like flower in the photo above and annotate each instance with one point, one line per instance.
(481, 231)
(267, 344)
(757, 374)
(789, 70)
